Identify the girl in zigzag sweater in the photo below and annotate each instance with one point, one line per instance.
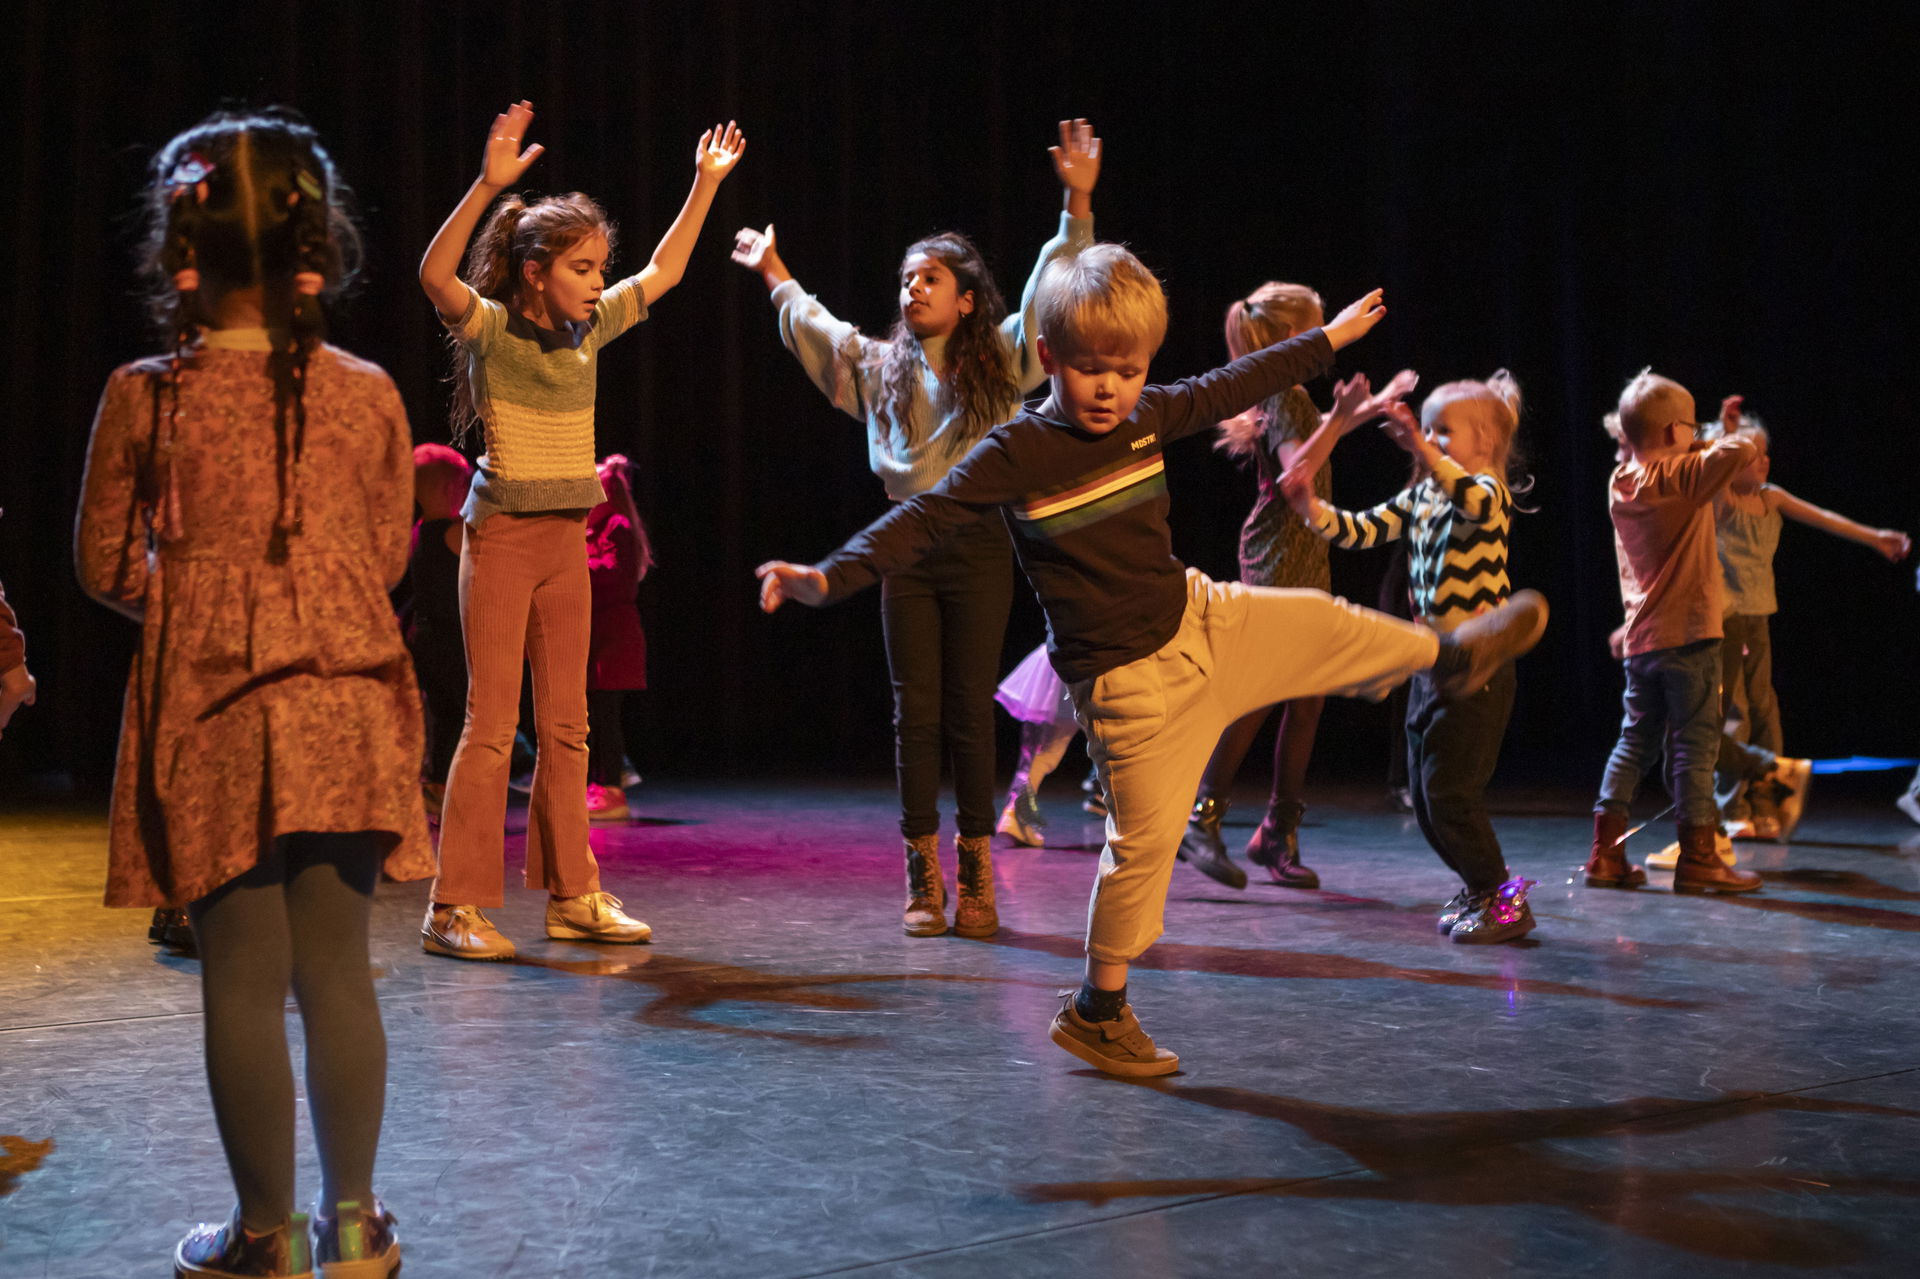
(1455, 517)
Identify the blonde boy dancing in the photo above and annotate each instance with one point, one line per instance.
(1158, 658)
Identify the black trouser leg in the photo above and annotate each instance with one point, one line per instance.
(1453, 746)
(606, 736)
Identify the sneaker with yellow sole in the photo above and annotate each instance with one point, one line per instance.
(593, 917)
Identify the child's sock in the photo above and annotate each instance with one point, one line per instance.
(1094, 1004)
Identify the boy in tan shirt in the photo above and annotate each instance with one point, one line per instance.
(1661, 502)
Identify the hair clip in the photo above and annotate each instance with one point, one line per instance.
(190, 174)
(309, 184)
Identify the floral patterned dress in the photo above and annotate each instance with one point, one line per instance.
(271, 692)
(1276, 546)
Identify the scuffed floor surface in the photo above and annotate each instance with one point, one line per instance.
(782, 1084)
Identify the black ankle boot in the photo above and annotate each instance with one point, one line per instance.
(1276, 846)
(1203, 849)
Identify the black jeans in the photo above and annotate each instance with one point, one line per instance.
(1452, 747)
(945, 619)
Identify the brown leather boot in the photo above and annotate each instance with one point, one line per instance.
(926, 914)
(974, 914)
(1607, 866)
(1700, 869)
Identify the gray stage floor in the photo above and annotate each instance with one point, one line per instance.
(784, 1085)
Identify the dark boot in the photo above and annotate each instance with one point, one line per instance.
(1607, 866)
(171, 930)
(1203, 849)
(926, 914)
(1700, 869)
(1276, 845)
(974, 914)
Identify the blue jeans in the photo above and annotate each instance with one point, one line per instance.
(1672, 701)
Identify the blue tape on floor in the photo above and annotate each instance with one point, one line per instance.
(1862, 764)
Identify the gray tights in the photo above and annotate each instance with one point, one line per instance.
(299, 920)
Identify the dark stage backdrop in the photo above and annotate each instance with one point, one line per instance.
(1568, 191)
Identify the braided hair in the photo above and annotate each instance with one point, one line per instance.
(244, 200)
(980, 377)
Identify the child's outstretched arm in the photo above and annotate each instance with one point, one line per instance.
(501, 164)
(714, 157)
(1891, 543)
(1076, 162)
(1477, 498)
(833, 352)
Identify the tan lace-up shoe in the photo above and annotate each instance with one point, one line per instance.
(975, 914)
(593, 917)
(926, 914)
(462, 932)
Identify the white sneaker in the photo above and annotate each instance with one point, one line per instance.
(593, 917)
(1910, 802)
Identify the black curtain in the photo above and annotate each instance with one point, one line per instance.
(1568, 192)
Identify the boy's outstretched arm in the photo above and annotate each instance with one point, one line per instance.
(714, 157)
(1891, 543)
(1197, 403)
(501, 164)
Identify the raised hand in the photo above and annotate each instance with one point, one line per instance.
(781, 581)
(1398, 387)
(1349, 397)
(1076, 161)
(751, 247)
(502, 162)
(1730, 415)
(1357, 320)
(718, 150)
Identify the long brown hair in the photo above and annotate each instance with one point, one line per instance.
(514, 234)
(980, 374)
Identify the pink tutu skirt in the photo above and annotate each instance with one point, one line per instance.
(1033, 694)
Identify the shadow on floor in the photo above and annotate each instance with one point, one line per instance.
(1486, 1159)
(687, 986)
(1297, 964)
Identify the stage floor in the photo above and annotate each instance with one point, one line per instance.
(783, 1084)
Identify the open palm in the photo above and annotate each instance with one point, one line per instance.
(502, 163)
(718, 150)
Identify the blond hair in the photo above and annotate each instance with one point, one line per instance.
(1100, 299)
(1272, 313)
(1639, 414)
(1497, 400)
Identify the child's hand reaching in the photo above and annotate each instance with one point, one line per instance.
(502, 162)
(1357, 320)
(1349, 397)
(1076, 161)
(751, 247)
(1893, 544)
(781, 581)
(1404, 429)
(1730, 415)
(718, 150)
(1398, 387)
